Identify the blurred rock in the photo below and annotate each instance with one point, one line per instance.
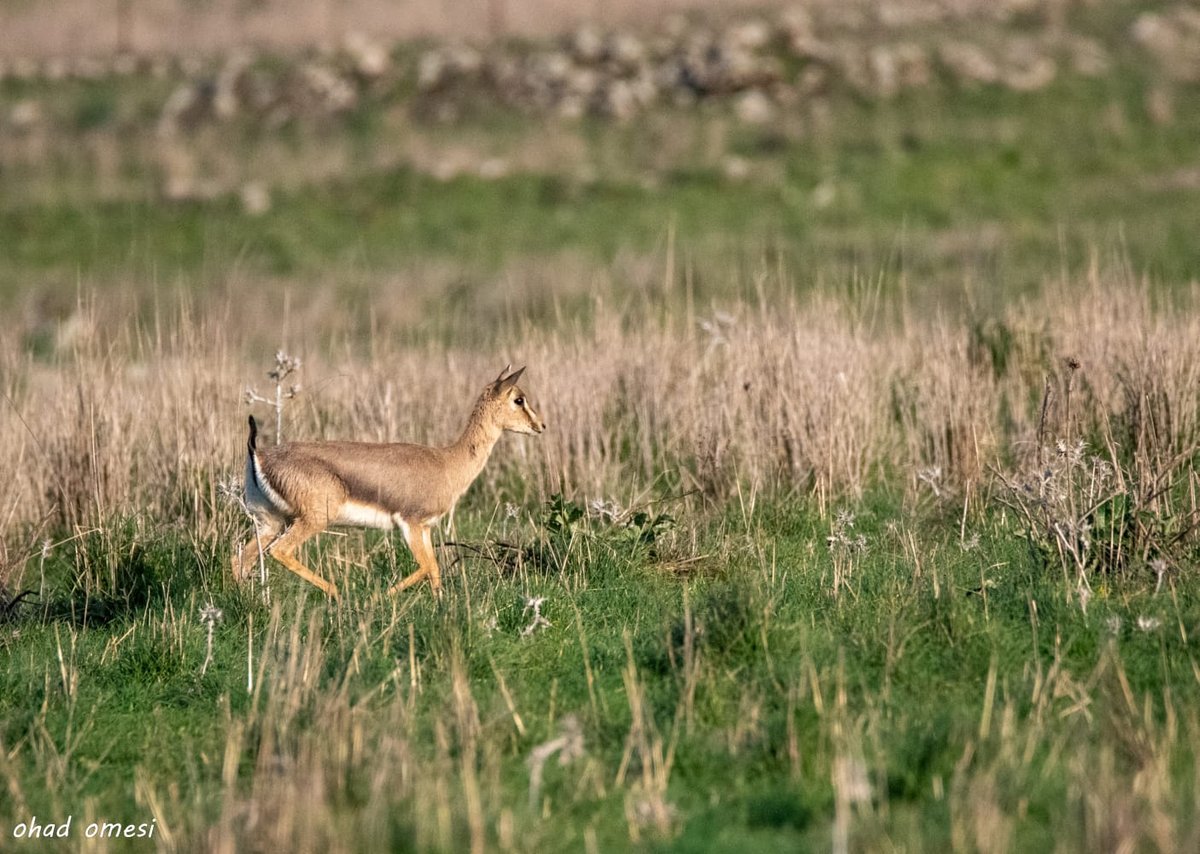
(493, 169)
(758, 64)
(750, 36)
(798, 30)
(431, 71)
(884, 70)
(446, 66)
(1088, 57)
(735, 168)
(625, 52)
(1026, 67)
(754, 107)
(369, 59)
(255, 198)
(554, 68)
(186, 108)
(330, 92)
(225, 99)
(824, 195)
(464, 61)
(1173, 39)
(619, 100)
(445, 170)
(968, 63)
(913, 67)
(1037, 74)
(571, 106)
(586, 45)
(25, 115)
(583, 82)
(813, 80)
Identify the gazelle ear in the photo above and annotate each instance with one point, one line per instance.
(510, 380)
(497, 380)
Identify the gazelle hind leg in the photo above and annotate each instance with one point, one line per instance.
(284, 551)
(408, 581)
(266, 530)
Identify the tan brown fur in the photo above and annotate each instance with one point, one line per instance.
(299, 489)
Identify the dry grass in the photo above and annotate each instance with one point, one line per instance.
(814, 396)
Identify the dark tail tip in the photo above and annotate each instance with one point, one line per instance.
(253, 435)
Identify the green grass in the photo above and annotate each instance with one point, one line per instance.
(752, 672)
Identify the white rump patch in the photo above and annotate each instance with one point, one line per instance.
(259, 492)
(359, 515)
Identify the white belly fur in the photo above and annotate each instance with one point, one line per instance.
(359, 515)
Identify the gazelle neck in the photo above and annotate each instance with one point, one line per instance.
(478, 439)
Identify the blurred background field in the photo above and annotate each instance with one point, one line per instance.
(866, 333)
(936, 147)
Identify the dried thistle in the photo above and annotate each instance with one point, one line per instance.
(210, 616)
(933, 477)
(534, 603)
(609, 511)
(845, 548)
(1159, 567)
(285, 366)
(1148, 624)
(569, 747)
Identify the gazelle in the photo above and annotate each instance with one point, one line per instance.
(307, 487)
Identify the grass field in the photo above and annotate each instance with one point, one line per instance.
(866, 519)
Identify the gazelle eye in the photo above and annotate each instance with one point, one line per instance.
(520, 401)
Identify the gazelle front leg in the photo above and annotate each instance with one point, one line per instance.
(420, 543)
(435, 571)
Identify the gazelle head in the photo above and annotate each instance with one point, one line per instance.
(507, 406)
